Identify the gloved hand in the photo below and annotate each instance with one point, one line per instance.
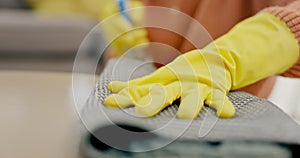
(255, 48)
(117, 26)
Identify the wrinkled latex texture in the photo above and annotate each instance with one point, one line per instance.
(119, 32)
(255, 48)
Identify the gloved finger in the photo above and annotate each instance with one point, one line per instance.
(118, 101)
(127, 96)
(219, 101)
(159, 97)
(116, 86)
(163, 76)
(192, 102)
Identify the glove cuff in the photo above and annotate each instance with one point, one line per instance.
(291, 17)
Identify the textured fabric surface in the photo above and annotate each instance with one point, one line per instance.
(255, 120)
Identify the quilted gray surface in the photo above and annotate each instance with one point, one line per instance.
(256, 119)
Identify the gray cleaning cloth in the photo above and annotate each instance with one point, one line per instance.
(255, 120)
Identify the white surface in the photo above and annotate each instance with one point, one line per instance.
(37, 116)
(286, 95)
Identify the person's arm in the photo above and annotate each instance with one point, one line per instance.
(257, 47)
(291, 16)
(218, 23)
(168, 40)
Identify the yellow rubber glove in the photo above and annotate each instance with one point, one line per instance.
(116, 27)
(254, 49)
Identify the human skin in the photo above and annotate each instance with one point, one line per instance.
(217, 17)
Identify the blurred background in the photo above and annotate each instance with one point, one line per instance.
(38, 116)
(33, 38)
(42, 36)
